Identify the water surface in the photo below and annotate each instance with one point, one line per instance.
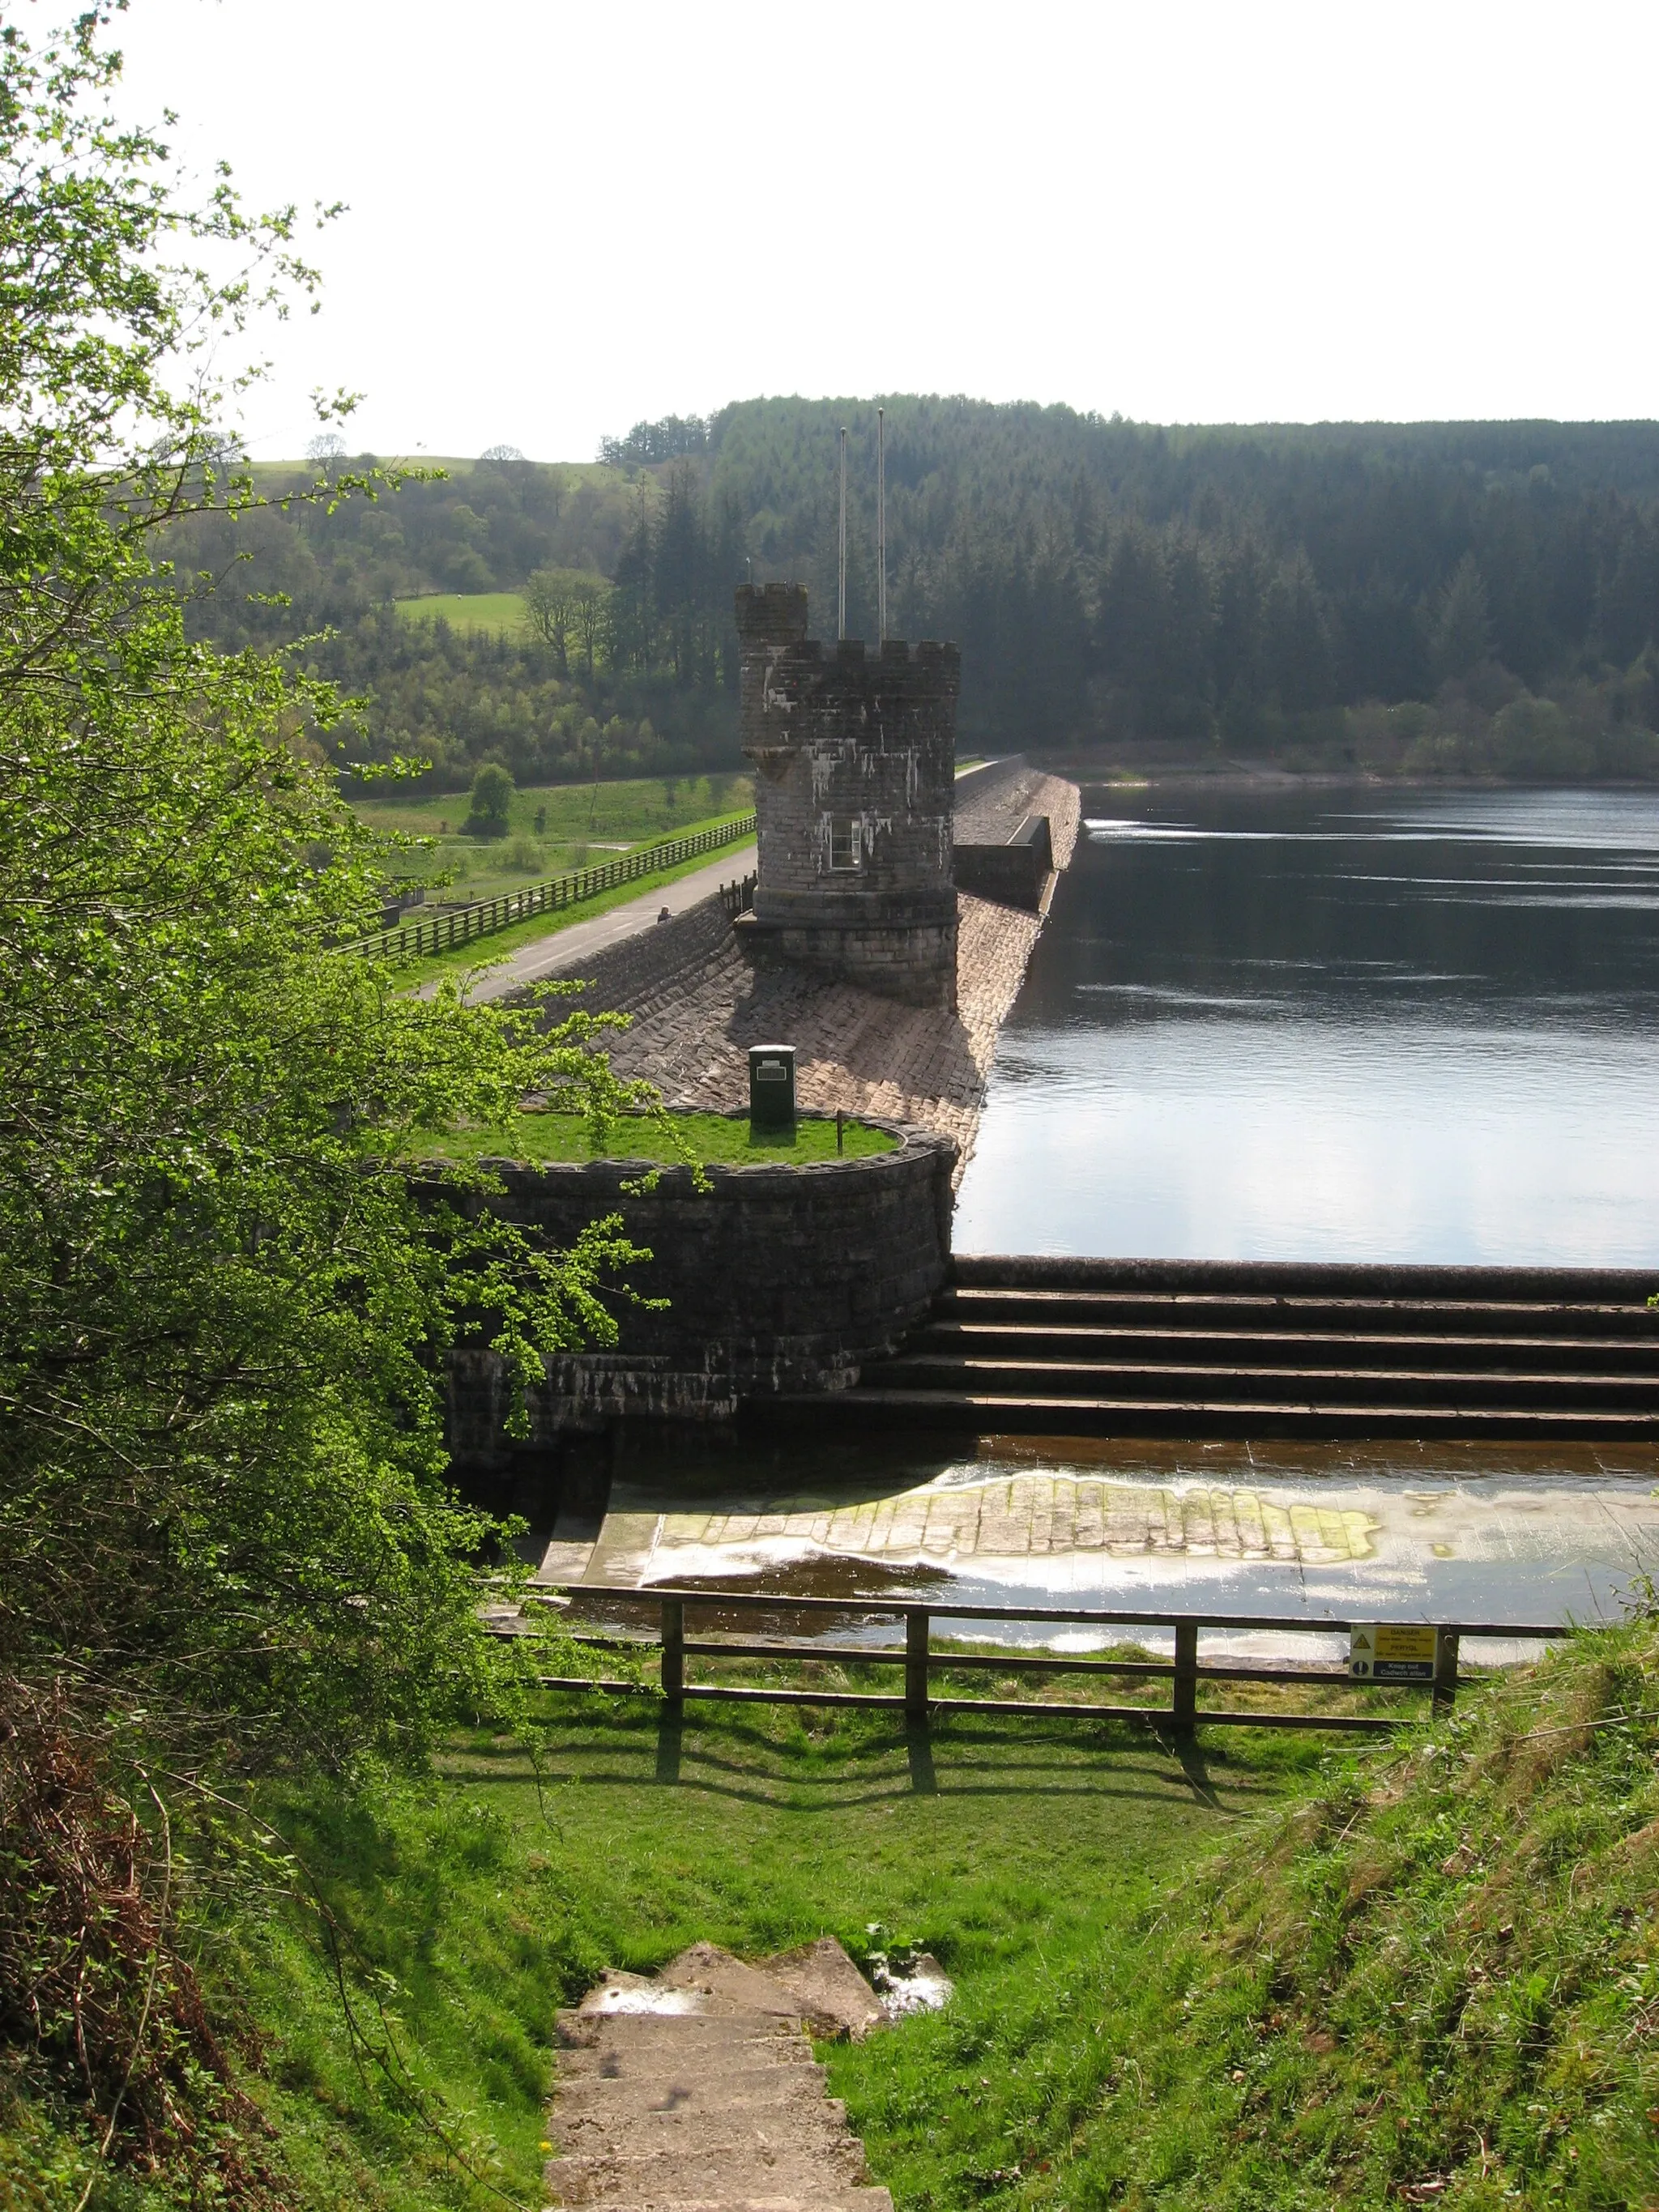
(1337, 1025)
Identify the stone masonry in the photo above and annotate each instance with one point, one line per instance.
(698, 1002)
(854, 758)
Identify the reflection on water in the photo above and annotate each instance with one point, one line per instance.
(1417, 1027)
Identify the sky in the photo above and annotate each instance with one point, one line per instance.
(563, 219)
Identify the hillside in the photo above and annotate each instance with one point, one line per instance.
(1427, 598)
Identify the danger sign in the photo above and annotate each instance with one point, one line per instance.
(1393, 1651)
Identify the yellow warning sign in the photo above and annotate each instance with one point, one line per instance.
(1393, 1651)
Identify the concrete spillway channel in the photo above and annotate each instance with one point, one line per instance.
(697, 2091)
(1100, 1347)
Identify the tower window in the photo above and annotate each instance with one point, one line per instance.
(844, 843)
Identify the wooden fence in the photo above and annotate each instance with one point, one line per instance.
(441, 932)
(918, 1658)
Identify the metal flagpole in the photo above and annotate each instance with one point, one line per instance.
(881, 525)
(841, 630)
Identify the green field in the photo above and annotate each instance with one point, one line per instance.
(712, 1137)
(490, 610)
(581, 825)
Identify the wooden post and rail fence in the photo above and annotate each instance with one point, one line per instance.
(918, 1656)
(442, 932)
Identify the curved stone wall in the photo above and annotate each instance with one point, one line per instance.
(777, 1278)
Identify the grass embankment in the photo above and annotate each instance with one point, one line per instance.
(551, 827)
(713, 1138)
(1274, 1975)
(733, 860)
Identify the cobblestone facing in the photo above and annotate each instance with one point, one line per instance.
(698, 1003)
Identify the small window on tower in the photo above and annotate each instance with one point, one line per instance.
(843, 844)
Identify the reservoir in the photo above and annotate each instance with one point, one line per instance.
(1336, 1025)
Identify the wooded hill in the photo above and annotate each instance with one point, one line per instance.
(1426, 596)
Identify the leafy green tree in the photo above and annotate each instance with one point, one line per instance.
(1462, 621)
(492, 802)
(227, 1540)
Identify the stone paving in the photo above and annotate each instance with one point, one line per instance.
(857, 1051)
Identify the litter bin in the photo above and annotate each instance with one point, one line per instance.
(771, 1086)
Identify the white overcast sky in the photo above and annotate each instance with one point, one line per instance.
(566, 217)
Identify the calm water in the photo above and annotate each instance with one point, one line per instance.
(1415, 1027)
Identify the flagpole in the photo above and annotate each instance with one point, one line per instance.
(840, 623)
(881, 525)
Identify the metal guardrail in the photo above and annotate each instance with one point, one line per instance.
(919, 1657)
(441, 932)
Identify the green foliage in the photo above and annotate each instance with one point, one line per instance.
(1107, 581)
(492, 803)
(228, 1545)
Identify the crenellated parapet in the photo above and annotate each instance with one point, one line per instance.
(854, 754)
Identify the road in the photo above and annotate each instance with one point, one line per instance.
(567, 949)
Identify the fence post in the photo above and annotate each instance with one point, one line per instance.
(915, 1666)
(1445, 1669)
(673, 1651)
(1183, 1711)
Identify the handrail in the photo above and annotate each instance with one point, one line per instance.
(441, 932)
(919, 1657)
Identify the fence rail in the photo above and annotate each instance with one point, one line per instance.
(442, 932)
(919, 1657)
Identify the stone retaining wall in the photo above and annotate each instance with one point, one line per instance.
(777, 1278)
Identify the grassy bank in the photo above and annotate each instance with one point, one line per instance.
(733, 860)
(1272, 1973)
(551, 827)
(712, 1137)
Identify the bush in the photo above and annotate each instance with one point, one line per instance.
(492, 803)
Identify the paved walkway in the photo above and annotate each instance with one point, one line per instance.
(567, 949)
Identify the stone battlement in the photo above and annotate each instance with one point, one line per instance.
(854, 752)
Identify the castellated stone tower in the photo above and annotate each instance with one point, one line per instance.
(854, 756)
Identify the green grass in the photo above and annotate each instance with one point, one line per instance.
(712, 1137)
(486, 610)
(1267, 1975)
(501, 942)
(580, 825)
(491, 1896)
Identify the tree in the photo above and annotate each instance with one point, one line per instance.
(491, 811)
(1462, 636)
(228, 1542)
(549, 602)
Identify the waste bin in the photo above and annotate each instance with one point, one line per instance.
(771, 1086)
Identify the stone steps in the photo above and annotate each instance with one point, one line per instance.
(1095, 1347)
(717, 2108)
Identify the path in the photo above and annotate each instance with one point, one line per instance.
(699, 2089)
(567, 949)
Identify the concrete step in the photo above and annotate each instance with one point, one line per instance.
(966, 1413)
(1323, 1384)
(1611, 1355)
(736, 2088)
(805, 2126)
(1222, 1310)
(671, 2177)
(593, 2035)
(869, 2198)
